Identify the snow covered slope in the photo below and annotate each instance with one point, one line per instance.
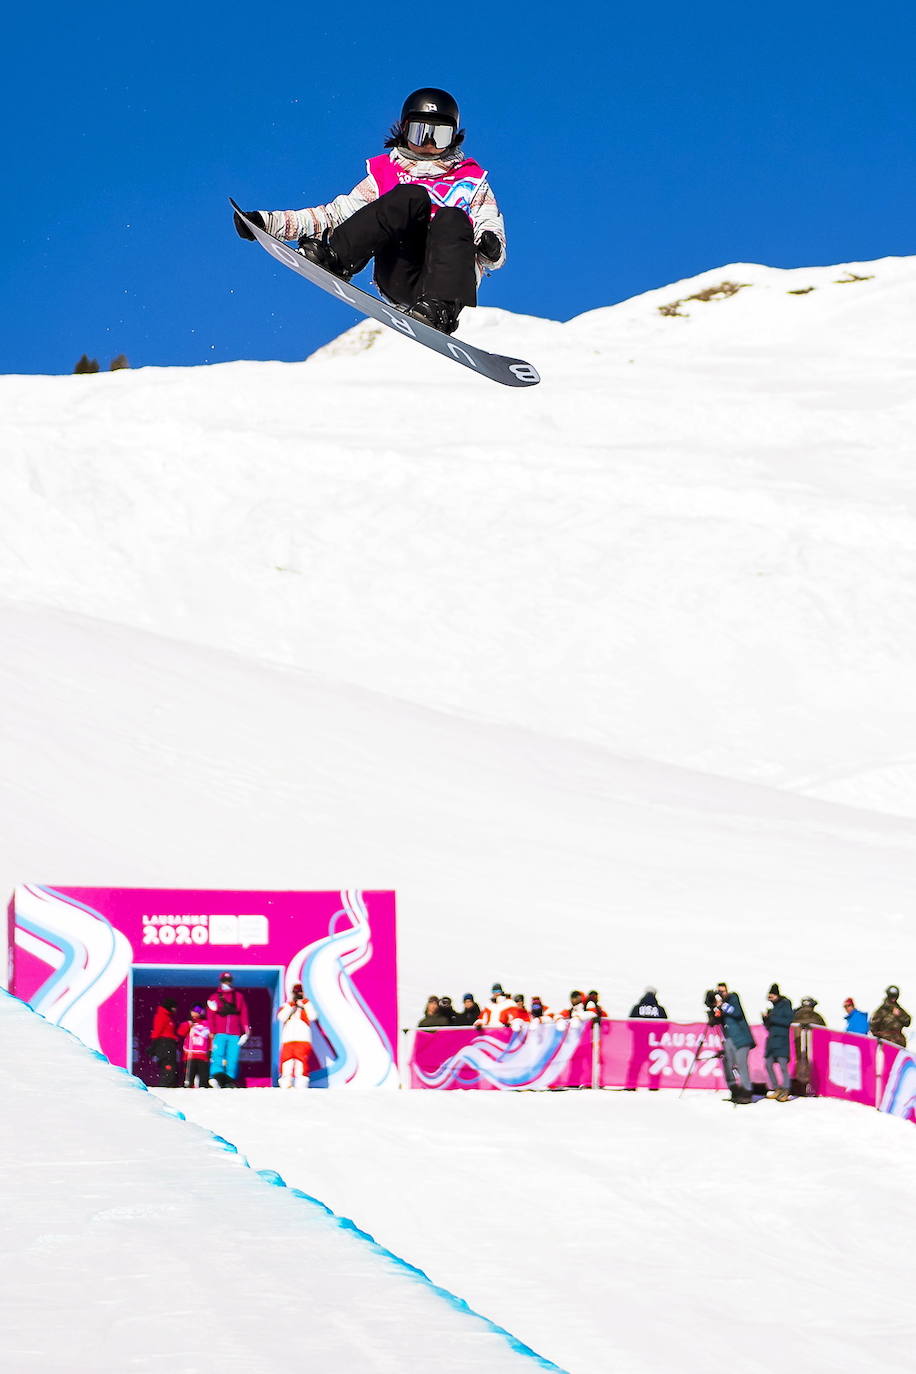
(134, 1241)
(623, 1231)
(566, 660)
(612, 680)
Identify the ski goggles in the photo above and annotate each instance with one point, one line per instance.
(419, 132)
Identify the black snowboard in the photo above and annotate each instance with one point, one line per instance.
(508, 371)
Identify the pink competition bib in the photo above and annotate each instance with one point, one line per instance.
(454, 189)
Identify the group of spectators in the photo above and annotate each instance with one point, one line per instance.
(209, 1041)
(781, 1020)
(514, 1010)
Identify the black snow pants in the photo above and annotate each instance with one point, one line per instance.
(166, 1051)
(416, 254)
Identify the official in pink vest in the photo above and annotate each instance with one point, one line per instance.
(425, 214)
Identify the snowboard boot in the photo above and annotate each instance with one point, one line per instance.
(441, 315)
(320, 252)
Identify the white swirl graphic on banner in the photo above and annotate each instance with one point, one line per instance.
(899, 1097)
(88, 958)
(362, 1056)
(535, 1057)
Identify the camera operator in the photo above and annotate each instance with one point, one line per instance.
(295, 1018)
(738, 1041)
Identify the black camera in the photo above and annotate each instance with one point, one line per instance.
(711, 1000)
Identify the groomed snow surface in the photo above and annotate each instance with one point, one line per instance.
(612, 680)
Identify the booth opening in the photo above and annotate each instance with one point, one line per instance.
(187, 986)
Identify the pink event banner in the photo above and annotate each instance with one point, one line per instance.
(555, 1054)
(845, 1066)
(669, 1054)
(857, 1068)
(569, 1054)
(80, 955)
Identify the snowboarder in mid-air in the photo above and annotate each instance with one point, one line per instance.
(425, 213)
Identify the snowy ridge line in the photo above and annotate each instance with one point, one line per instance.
(275, 1180)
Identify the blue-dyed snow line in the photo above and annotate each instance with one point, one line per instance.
(275, 1180)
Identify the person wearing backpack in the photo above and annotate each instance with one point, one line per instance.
(228, 1018)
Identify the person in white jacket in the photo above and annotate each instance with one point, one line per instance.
(295, 1040)
(425, 213)
(500, 1002)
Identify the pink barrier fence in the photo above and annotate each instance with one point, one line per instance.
(650, 1054)
(556, 1054)
(667, 1054)
(571, 1054)
(856, 1068)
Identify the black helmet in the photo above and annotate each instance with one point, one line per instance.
(431, 103)
(430, 117)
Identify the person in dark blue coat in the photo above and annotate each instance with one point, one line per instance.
(649, 1007)
(777, 1021)
(856, 1021)
(728, 1013)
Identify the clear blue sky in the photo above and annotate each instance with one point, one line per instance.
(629, 145)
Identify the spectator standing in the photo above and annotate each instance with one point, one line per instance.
(777, 1021)
(539, 1011)
(499, 1002)
(890, 1020)
(295, 1040)
(231, 1028)
(738, 1041)
(433, 1018)
(576, 1011)
(593, 1005)
(856, 1021)
(447, 1010)
(164, 1043)
(517, 1015)
(803, 1018)
(197, 1038)
(648, 1007)
(469, 1013)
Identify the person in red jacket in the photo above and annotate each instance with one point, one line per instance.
(163, 1045)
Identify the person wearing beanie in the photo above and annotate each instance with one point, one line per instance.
(492, 1013)
(856, 1021)
(803, 1018)
(197, 1039)
(163, 1046)
(776, 1054)
(469, 1012)
(434, 1018)
(890, 1020)
(228, 1018)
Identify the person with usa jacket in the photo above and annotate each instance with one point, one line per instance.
(425, 212)
(648, 1007)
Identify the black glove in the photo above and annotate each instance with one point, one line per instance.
(489, 246)
(241, 228)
